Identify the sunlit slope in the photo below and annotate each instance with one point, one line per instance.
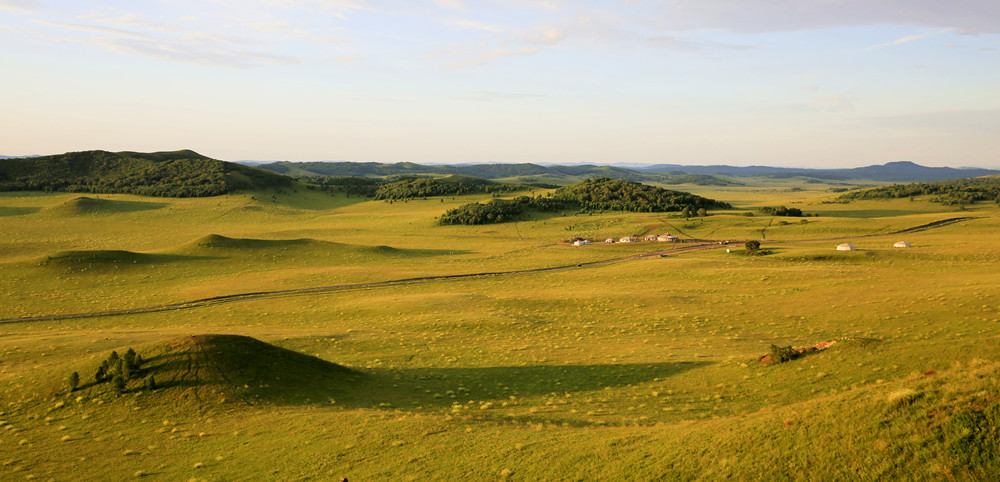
(648, 368)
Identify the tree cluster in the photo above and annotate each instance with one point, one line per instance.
(501, 210)
(600, 194)
(780, 211)
(118, 371)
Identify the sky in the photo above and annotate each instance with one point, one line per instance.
(798, 83)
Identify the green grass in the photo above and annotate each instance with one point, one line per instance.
(639, 369)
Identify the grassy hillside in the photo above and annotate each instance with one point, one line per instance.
(642, 368)
(957, 192)
(166, 174)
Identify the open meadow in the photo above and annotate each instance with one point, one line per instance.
(636, 369)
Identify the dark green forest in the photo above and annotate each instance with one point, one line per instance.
(599, 194)
(413, 187)
(443, 186)
(165, 174)
(956, 192)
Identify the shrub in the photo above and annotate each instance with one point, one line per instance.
(752, 245)
(149, 383)
(781, 354)
(902, 397)
(73, 381)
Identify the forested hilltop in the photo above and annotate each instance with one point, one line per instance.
(959, 191)
(166, 174)
(599, 194)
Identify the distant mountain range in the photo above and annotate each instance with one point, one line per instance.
(902, 171)
(667, 173)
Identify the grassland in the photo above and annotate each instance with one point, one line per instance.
(639, 369)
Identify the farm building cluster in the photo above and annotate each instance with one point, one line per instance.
(662, 238)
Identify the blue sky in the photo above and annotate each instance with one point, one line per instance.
(826, 83)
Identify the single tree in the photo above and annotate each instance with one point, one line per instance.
(119, 383)
(752, 246)
(73, 380)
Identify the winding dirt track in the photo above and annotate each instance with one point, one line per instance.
(344, 287)
(694, 246)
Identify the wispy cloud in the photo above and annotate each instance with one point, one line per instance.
(20, 6)
(687, 45)
(95, 29)
(472, 24)
(483, 57)
(188, 54)
(901, 41)
(452, 5)
(130, 20)
(543, 35)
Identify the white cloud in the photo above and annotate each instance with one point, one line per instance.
(130, 20)
(20, 6)
(900, 41)
(686, 45)
(758, 16)
(472, 24)
(493, 54)
(189, 54)
(543, 35)
(452, 4)
(95, 29)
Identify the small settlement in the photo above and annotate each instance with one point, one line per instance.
(662, 238)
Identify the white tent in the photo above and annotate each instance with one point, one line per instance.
(902, 244)
(845, 247)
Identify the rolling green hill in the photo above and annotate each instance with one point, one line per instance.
(959, 191)
(166, 174)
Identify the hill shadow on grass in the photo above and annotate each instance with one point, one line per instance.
(211, 369)
(110, 259)
(17, 211)
(431, 388)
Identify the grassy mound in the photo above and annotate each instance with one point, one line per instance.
(87, 205)
(244, 368)
(215, 243)
(224, 368)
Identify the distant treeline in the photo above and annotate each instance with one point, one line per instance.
(486, 171)
(165, 174)
(957, 192)
(600, 194)
(414, 187)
